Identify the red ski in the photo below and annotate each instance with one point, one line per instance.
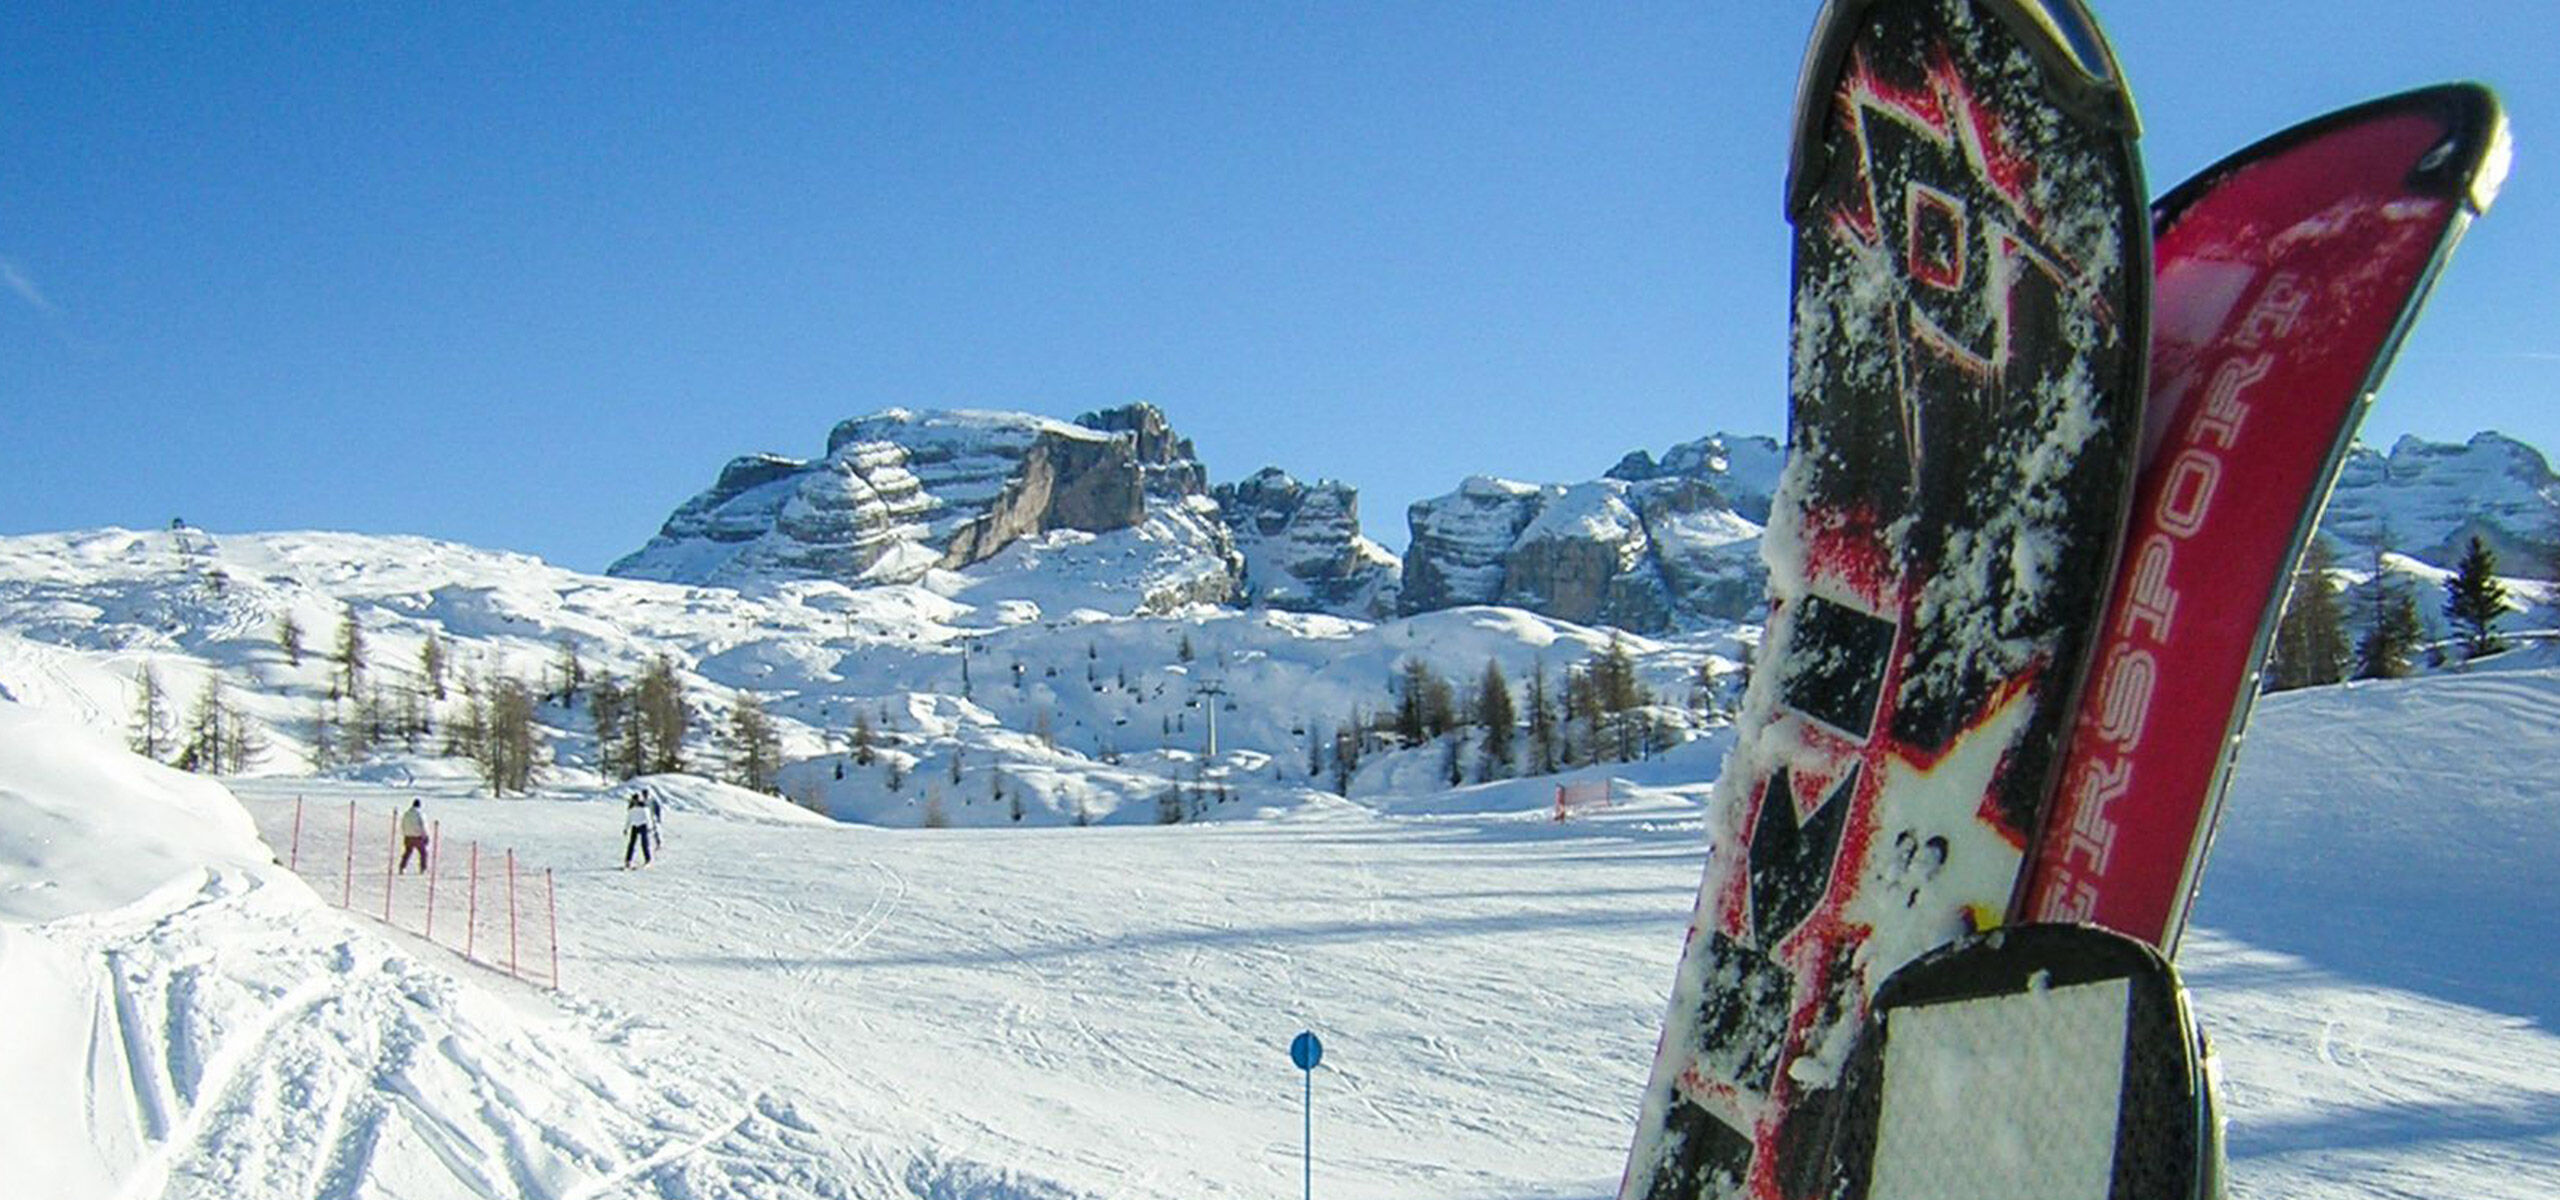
(2286, 277)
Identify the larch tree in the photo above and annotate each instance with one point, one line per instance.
(152, 721)
(2311, 637)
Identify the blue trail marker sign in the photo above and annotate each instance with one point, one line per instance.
(1306, 1051)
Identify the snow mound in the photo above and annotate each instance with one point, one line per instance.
(89, 827)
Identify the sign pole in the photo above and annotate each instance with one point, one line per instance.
(1306, 1051)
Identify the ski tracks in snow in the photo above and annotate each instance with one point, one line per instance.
(245, 1041)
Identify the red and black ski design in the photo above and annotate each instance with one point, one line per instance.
(2287, 275)
(1971, 288)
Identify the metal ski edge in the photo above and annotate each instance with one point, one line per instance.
(2488, 141)
(2065, 40)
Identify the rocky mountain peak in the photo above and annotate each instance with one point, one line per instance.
(902, 492)
(1302, 546)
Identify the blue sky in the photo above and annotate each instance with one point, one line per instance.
(525, 276)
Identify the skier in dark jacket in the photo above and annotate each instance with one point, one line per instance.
(635, 818)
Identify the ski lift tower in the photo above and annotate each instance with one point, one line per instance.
(1216, 691)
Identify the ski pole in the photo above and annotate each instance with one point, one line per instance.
(294, 862)
(511, 912)
(471, 914)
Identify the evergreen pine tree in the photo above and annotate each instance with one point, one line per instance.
(1614, 674)
(1494, 711)
(863, 740)
(2474, 599)
(2392, 637)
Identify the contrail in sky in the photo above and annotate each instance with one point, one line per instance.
(24, 287)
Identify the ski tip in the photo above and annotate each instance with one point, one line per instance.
(2497, 157)
(2065, 40)
(2471, 162)
(2477, 151)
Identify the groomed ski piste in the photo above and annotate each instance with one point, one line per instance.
(784, 1006)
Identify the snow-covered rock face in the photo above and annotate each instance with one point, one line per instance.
(2429, 499)
(1654, 546)
(1302, 546)
(901, 493)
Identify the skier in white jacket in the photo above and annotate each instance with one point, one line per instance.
(413, 836)
(635, 819)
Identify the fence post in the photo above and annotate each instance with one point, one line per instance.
(294, 862)
(471, 915)
(391, 867)
(511, 913)
(347, 891)
(435, 859)
(551, 914)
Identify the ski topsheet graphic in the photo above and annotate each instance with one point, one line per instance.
(2287, 276)
(1972, 269)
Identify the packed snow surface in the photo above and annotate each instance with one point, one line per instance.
(786, 1008)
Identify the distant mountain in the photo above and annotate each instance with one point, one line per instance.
(1112, 506)
(1302, 546)
(2428, 499)
(1652, 547)
(1114, 512)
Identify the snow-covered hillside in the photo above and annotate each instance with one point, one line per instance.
(834, 1010)
(1075, 712)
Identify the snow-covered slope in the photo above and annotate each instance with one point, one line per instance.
(976, 695)
(830, 1010)
(184, 1019)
